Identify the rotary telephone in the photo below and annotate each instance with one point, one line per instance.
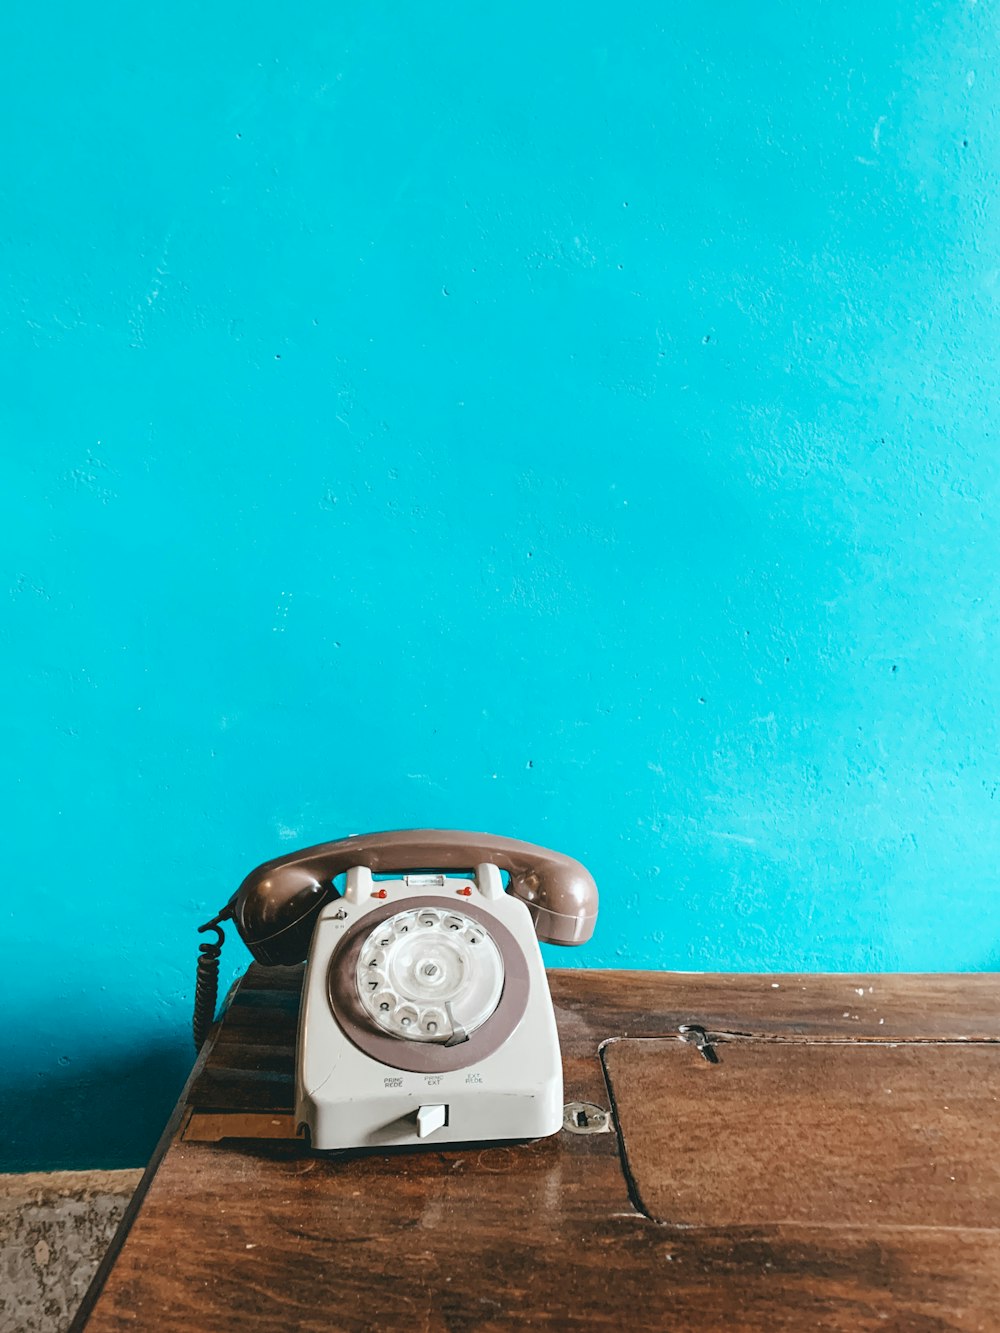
(426, 1013)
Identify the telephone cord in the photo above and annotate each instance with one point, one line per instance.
(206, 989)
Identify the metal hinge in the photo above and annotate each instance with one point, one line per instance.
(698, 1037)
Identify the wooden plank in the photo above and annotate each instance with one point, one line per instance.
(251, 1067)
(819, 1134)
(263, 1236)
(856, 1007)
(257, 1239)
(211, 1127)
(882, 1007)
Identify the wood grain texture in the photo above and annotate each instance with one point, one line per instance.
(263, 1236)
(251, 1065)
(850, 1135)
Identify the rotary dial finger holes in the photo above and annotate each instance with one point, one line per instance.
(429, 974)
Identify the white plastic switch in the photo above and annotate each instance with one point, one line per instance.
(358, 888)
(489, 880)
(430, 1118)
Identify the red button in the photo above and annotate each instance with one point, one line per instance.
(466, 893)
(380, 893)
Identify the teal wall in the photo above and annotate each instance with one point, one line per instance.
(575, 424)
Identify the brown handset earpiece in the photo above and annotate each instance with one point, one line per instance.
(276, 906)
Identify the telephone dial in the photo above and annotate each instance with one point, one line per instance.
(426, 1013)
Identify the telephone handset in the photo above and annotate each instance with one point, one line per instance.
(426, 995)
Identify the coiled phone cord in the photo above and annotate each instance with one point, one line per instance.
(206, 986)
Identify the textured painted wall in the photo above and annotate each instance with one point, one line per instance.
(462, 416)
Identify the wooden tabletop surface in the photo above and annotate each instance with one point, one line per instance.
(835, 1166)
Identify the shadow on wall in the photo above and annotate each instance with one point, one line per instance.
(109, 1114)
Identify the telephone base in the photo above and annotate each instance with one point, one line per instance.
(360, 1086)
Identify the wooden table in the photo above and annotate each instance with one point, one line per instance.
(836, 1166)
